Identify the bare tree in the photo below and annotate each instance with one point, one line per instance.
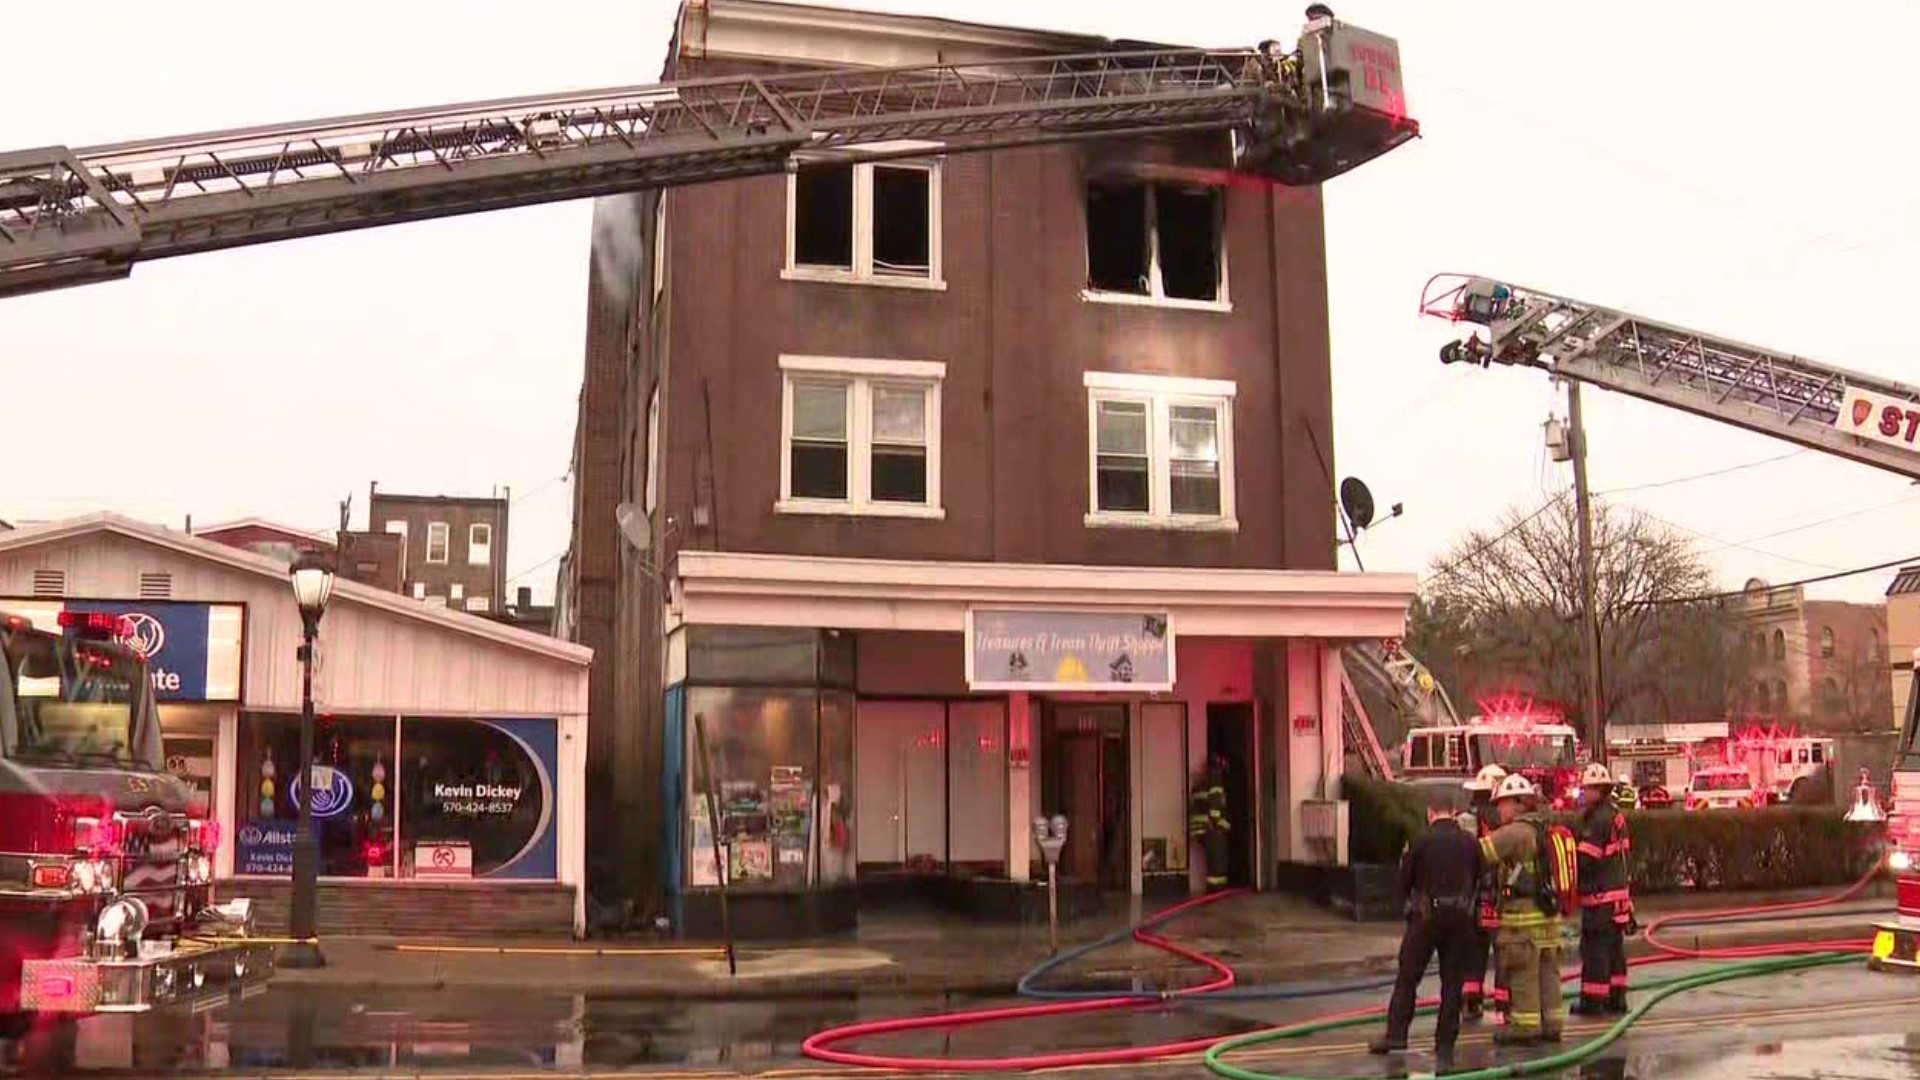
(1502, 612)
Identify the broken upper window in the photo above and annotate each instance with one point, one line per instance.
(1154, 239)
(866, 221)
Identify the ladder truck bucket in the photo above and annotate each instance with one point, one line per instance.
(1335, 104)
(1477, 301)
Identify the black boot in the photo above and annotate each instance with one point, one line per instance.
(1442, 1060)
(1589, 1007)
(1385, 1045)
(1617, 1004)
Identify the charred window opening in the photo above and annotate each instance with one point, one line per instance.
(902, 220)
(1187, 228)
(1119, 255)
(823, 216)
(1157, 240)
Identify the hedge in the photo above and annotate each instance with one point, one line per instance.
(1777, 847)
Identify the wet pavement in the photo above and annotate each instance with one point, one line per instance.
(1832, 1022)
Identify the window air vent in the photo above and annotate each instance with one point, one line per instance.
(49, 582)
(156, 585)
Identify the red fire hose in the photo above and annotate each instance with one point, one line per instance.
(821, 1046)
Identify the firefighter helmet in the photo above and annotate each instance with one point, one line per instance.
(1596, 776)
(1487, 779)
(1515, 787)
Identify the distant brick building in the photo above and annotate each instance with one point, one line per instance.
(1821, 664)
(454, 549)
(1903, 636)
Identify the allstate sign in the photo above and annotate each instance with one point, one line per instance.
(332, 791)
(187, 659)
(264, 847)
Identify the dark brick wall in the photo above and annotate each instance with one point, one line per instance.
(423, 909)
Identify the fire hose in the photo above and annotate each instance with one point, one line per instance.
(1762, 960)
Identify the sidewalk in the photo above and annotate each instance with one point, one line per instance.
(1265, 939)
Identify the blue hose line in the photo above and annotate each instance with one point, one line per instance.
(1279, 992)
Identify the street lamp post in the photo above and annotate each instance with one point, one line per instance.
(312, 587)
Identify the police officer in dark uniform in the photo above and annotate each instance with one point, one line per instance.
(1440, 877)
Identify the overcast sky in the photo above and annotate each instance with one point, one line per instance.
(1679, 160)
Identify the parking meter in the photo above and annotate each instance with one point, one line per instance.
(1051, 835)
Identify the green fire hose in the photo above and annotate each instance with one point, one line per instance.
(1664, 988)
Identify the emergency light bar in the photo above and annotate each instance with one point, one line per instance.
(96, 625)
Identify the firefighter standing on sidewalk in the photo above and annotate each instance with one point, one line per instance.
(1529, 936)
(1439, 876)
(1606, 901)
(1480, 805)
(1207, 821)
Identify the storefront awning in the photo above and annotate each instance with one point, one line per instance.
(733, 589)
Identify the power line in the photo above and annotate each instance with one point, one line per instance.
(1876, 508)
(1483, 546)
(1725, 543)
(1702, 598)
(537, 567)
(1702, 475)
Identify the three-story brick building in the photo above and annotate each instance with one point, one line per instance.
(926, 495)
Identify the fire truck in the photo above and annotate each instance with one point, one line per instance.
(106, 859)
(1516, 733)
(1897, 943)
(1778, 760)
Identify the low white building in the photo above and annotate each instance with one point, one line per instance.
(454, 747)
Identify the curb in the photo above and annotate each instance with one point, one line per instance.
(898, 983)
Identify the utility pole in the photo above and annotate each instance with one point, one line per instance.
(1589, 613)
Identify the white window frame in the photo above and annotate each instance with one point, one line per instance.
(419, 593)
(456, 591)
(473, 530)
(653, 451)
(445, 533)
(659, 247)
(1160, 394)
(862, 376)
(477, 604)
(1155, 296)
(862, 272)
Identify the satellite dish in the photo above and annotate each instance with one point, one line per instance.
(633, 526)
(1356, 502)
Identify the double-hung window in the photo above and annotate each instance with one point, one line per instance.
(860, 436)
(873, 223)
(1156, 243)
(1160, 451)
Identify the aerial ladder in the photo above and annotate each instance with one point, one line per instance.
(1850, 414)
(1410, 688)
(71, 217)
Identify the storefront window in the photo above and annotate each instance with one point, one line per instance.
(903, 785)
(1163, 843)
(752, 655)
(764, 749)
(977, 786)
(477, 799)
(352, 800)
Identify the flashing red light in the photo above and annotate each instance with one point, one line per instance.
(52, 876)
(98, 625)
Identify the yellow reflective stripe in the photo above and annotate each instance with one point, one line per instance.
(1524, 1019)
(1487, 850)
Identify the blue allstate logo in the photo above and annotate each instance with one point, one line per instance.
(331, 799)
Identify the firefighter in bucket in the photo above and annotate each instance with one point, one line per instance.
(1207, 821)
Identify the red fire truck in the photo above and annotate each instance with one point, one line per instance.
(106, 860)
(1897, 943)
